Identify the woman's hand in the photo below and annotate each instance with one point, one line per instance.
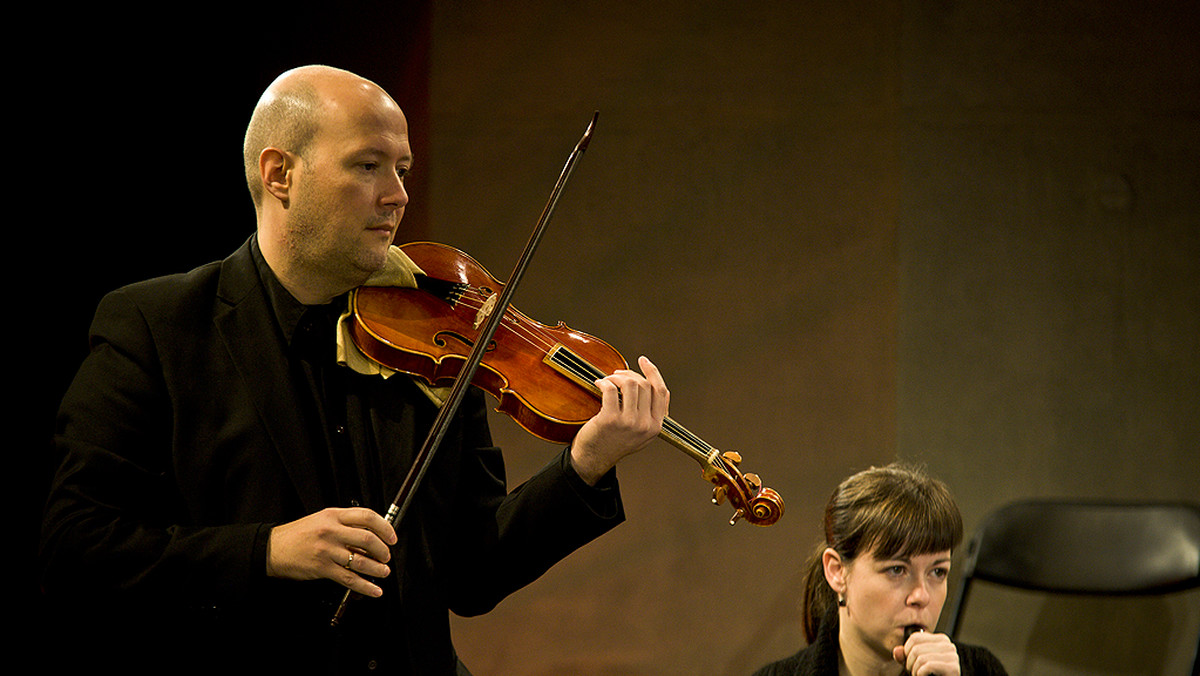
(928, 654)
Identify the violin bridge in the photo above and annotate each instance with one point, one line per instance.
(486, 310)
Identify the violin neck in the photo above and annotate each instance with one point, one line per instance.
(680, 437)
(584, 374)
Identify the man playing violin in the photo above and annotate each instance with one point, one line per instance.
(223, 477)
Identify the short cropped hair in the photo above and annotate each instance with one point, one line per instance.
(287, 120)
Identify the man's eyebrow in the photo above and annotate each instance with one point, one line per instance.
(376, 153)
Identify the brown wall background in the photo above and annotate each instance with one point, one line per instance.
(958, 232)
(734, 219)
(962, 233)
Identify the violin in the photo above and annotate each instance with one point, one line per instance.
(543, 377)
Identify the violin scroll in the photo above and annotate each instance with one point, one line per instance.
(752, 501)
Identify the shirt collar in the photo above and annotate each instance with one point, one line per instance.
(289, 312)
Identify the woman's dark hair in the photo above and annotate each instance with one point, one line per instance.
(895, 511)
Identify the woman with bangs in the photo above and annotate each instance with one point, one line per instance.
(875, 587)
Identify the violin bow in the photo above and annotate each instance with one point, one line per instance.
(449, 408)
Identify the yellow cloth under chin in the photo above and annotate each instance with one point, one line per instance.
(399, 270)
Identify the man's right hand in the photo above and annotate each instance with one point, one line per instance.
(339, 544)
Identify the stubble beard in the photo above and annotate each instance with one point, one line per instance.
(341, 265)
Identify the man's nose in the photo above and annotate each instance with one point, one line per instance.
(395, 195)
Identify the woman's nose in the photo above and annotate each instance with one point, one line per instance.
(919, 596)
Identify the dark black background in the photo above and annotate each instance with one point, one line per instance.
(128, 126)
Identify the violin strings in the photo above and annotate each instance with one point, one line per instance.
(472, 298)
(588, 373)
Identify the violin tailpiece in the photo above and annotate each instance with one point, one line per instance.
(450, 292)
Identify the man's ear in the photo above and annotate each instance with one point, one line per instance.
(835, 570)
(276, 170)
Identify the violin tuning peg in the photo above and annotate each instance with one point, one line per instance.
(733, 457)
(718, 495)
(753, 480)
(736, 515)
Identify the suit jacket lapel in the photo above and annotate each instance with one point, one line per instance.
(243, 319)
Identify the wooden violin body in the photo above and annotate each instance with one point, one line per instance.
(542, 376)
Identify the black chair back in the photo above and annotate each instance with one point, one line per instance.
(1083, 547)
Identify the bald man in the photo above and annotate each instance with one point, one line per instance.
(223, 475)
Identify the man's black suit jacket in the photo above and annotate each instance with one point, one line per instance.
(183, 442)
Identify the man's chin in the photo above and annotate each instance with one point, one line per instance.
(370, 265)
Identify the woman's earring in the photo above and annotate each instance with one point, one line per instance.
(841, 601)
